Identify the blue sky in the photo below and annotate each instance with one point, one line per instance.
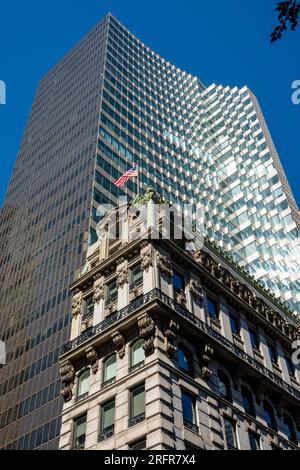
(220, 42)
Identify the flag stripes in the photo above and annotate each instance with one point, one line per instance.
(124, 178)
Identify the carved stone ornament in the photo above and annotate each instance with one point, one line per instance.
(67, 372)
(99, 290)
(92, 357)
(206, 354)
(146, 259)
(147, 330)
(171, 337)
(67, 392)
(245, 294)
(76, 304)
(119, 341)
(122, 277)
(164, 265)
(196, 290)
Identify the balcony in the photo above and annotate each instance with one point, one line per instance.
(195, 323)
(136, 367)
(136, 419)
(108, 382)
(81, 397)
(191, 426)
(107, 433)
(79, 447)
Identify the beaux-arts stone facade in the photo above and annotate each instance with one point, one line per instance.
(180, 350)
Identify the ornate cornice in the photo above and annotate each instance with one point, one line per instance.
(242, 292)
(119, 341)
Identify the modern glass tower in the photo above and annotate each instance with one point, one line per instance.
(109, 104)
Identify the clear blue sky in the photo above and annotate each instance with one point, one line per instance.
(226, 42)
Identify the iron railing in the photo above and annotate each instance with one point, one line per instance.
(157, 294)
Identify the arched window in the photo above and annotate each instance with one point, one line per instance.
(83, 383)
(248, 401)
(137, 353)
(270, 416)
(224, 385)
(290, 429)
(184, 359)
(109, 369)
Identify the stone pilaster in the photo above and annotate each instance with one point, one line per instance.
(122, 283)
(99, 293)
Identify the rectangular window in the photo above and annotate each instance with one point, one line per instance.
(235, 324)
(273, 353)
(79, 431)
(136, 275)
(230, 434)
(212, 308)
(188, 408)
(178, 282)
(254, 441)
(111, 292)
(108, 416)
(254, 339)
(88, 307)
(137, 401)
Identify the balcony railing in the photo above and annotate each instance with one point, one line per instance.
(108, 382)
(81, 397)
(191, 426)
(107, 433)
(136, 366)
(136, 419)
(79, 446)
(157, 294)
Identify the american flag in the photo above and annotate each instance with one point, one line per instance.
(124, 178)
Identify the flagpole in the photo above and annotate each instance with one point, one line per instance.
(138, 179)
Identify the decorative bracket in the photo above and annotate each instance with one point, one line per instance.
(76, 303)
(92, 357)
(119, 341)
(206, 355)
(67, 372)
(164, 265)
(171, 334)
(122, 277)
(147, 330)
(99, 290)
(146, 257)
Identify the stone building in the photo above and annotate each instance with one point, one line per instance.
(174, 349)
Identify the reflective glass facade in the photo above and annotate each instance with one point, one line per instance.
(111, 103)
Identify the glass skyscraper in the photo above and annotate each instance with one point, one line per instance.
(109, 104)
